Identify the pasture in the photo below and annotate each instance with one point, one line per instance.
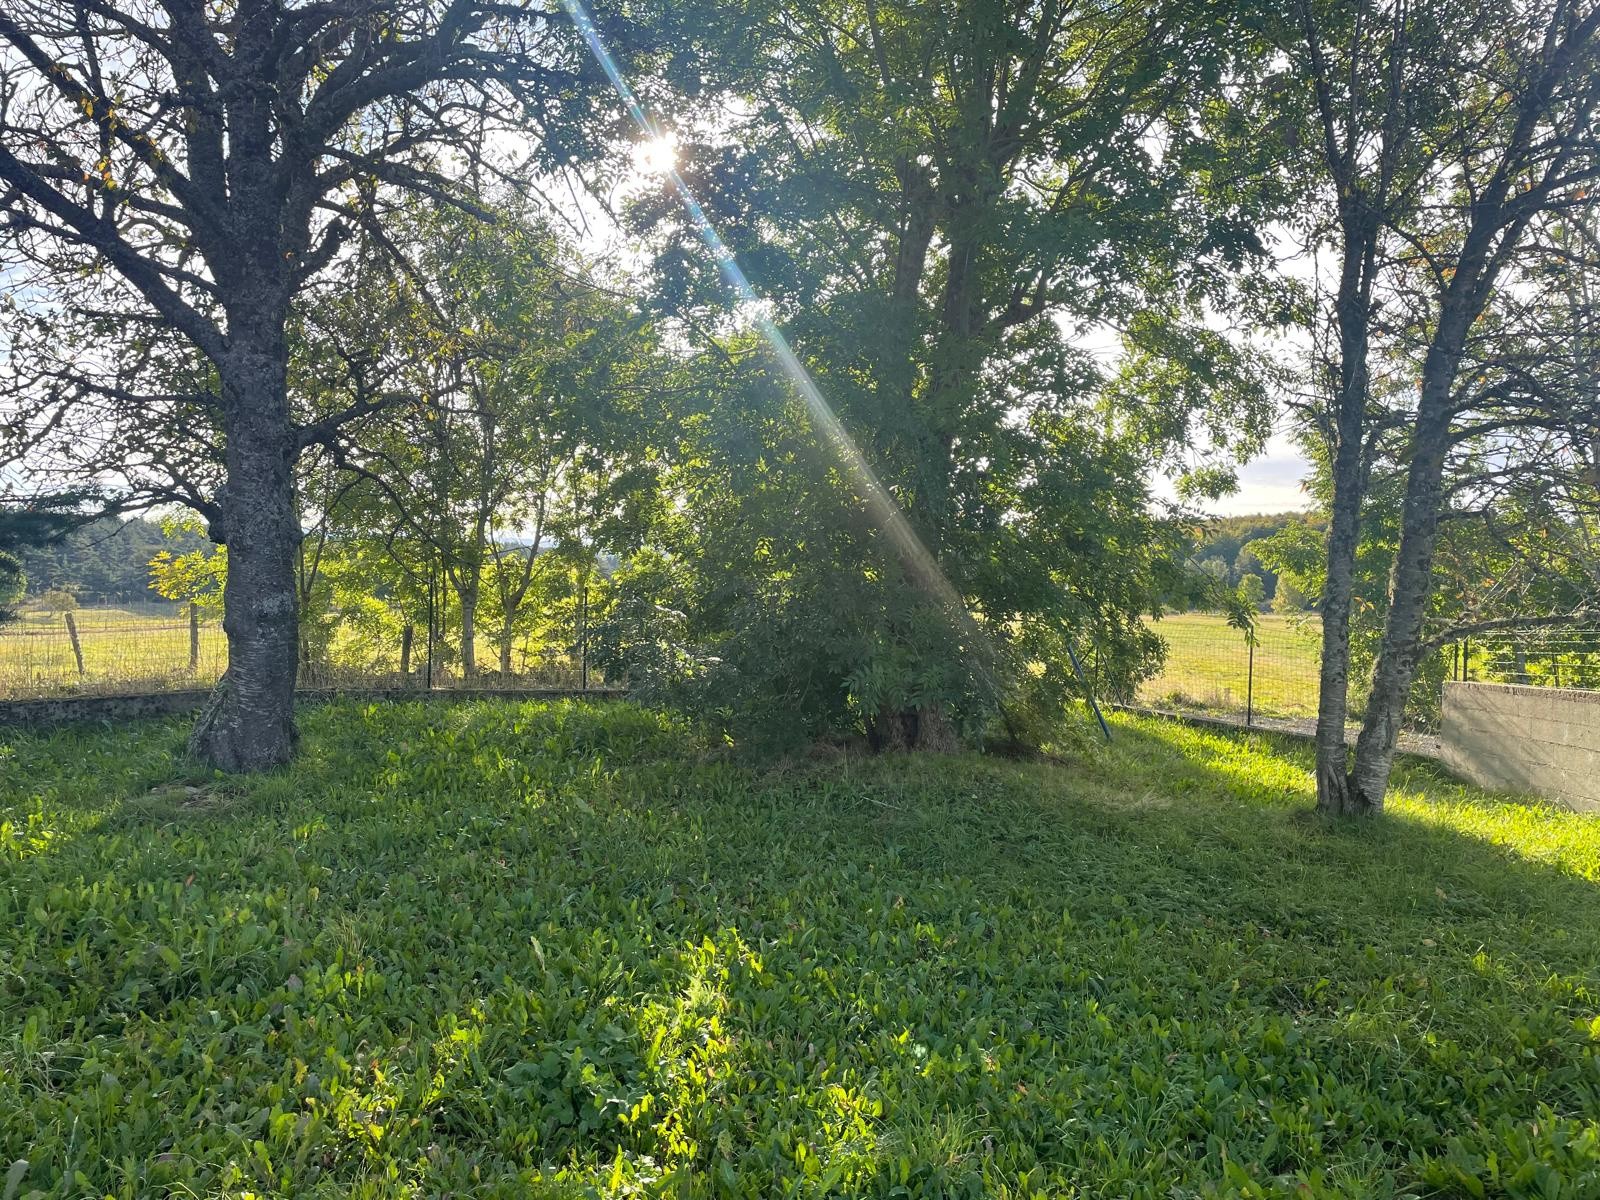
(150, 648)
(1208, 665)
(125, 650)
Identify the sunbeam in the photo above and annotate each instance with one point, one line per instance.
(882, 507)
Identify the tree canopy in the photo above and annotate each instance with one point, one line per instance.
(409, 313)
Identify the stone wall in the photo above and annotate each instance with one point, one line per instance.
(78, 709)
(1538, 740)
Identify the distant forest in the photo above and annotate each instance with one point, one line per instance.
(1226, 549)
(106, 561)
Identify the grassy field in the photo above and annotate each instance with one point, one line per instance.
(127, 651)
(548, 950)
(1208, 665)
(124, 650)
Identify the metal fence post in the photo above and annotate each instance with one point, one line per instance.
(1250, 683)
(194, 638)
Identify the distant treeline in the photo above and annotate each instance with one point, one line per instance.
(106, 560)
(109, 559)
(1226, 549)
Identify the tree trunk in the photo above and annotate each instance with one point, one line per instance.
(1359, 223)
(1411, 581)
(248, 725)
(469, 632)
(900, 729)
(1334, 794)
(1410, 587)
(507, 637)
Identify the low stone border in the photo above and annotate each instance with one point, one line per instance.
(71, 710)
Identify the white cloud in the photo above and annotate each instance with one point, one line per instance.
(1267, 484)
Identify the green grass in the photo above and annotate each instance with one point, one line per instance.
(1208, 664)
(512, 950)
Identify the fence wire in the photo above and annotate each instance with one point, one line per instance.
(1565, 658)
(1214, 668)
(109, 651)
(1273, 678)
(1210, 667)
(134, 649)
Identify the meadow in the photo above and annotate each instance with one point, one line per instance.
(547, 949)
(147, 648)
(1208, 665)
(141, 648)
(135, 649)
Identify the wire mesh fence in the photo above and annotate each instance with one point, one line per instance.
(1562, 658)
(109, 650)
(1273, 678)
(1213, 667)
(132, 649)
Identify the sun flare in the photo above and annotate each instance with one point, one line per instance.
(656, 155)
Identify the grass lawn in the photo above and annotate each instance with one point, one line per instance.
(541, 949)
(1208, 664)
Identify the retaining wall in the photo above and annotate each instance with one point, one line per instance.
(75, 709)
(1539, 740)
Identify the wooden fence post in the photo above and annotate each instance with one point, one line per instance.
(77, 646)
(194, 638)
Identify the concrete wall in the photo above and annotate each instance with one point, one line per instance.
(1539, 740)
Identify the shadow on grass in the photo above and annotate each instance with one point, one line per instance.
(486, 949)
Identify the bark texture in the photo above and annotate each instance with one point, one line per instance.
(469, 630)
(249, 724)
(1335, 797)
(1411, 583)
(924, 728)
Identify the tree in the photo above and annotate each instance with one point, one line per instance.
(1525, 141)
(1439, 137)
(196, 576)
(38, 523)
(214, 159)
(522, 378)
(1288, 599)
(1373, 98)
(937, 208)
(1252, 592)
